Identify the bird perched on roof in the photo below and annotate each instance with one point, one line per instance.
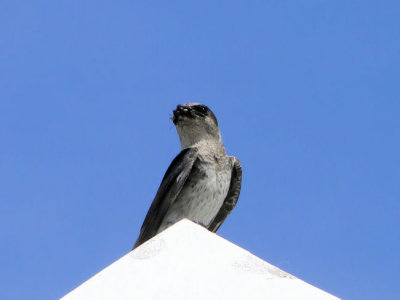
(202, 183)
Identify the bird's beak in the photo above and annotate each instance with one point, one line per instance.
(180, 112)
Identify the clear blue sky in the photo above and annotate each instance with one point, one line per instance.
(307, 94)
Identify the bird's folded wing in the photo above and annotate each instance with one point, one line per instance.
(232, 196)
(171, 185)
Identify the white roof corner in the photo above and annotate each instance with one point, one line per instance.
(186, 261)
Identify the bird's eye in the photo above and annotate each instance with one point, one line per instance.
(201, 108)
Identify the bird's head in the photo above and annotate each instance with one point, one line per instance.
(195, 122)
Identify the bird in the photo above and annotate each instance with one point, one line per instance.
(202, 183)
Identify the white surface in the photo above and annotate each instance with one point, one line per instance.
(187, 261)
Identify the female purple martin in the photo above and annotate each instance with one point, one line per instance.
(202, 183)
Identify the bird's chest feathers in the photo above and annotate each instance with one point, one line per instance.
(210, 176)
(205, 190)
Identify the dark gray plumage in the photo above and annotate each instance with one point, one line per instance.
(202, 183)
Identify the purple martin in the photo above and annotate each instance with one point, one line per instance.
(202, 183)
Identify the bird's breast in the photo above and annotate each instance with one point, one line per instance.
(205, 193)
(202, 195)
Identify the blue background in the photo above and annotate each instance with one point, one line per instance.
(307, 96)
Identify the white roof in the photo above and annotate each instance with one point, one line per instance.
(186, 261)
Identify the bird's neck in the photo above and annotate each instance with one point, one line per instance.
(205, 143)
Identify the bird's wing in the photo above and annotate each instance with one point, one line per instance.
(171, 185)
(232, 196)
